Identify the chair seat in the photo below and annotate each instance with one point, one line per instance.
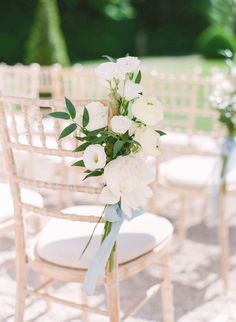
(197, 142)
(62, 241)
(192, 172)
(6, 205)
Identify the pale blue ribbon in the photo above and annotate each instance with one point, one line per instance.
(228, 150)
(114, 214)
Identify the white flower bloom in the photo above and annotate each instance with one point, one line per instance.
(148, 138)
(120, 124)
(128, 64)
(127, 179)
(148, 110)
(133, 128)
(129, 90)
(97, 116)
(233, 76)
(94, 157)
(108, 72)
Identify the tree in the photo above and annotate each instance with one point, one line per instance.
(46, 44)
(223, 14)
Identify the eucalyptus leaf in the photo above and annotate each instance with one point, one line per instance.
(112, 60)
(138, 77)
(82, 147)
(68, 130)
(85, 117)
(70, 107)
(95, 173)
(160, 132)
(117, 147)
(60, 115)
(79, 163)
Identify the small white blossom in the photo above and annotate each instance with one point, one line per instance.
(148, 139)
(148, 110)
(120, 124)
(97, 116)
(129, 90)
(94, 157)
(109, 73)
(128, 64)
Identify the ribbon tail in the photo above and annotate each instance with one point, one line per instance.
(213, 220)
(228, 149)
(97, 266)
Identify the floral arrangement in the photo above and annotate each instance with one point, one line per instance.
(223, 100)
(115, 142)
(223, 97)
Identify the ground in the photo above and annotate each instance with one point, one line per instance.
(198, 292)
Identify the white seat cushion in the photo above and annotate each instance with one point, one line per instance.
(192, 171)
(62, 241)
(6, 204)
(183, 140)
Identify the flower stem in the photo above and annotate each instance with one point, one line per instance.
(107, 229)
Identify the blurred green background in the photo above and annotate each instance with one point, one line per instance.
(70, 31)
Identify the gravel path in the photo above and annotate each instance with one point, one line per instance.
(197, 287)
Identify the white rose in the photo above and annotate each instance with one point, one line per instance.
(128, 64)
(148, 110)
(129, 90)
(109, 71)
(94, 157)
(120, 124)
(148, 139)
(127, 179)
(97, 116)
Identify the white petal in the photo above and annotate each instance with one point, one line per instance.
(107, 197)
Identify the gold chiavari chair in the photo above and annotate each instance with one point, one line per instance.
(78, 83)
(188, 169)
(16, 80)
(55, 252)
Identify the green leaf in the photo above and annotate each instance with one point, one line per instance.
(82, 147)
(109, 58)
(79, 163)
(98, 131)
(160, 132)
(60, 115)
(68, 130)
(138, 77)
(117, 147)
(85, 117)
(91, 236)
(95, 173)
(70, 107)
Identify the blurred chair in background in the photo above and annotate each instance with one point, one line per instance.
(190, 153)
(20, 80)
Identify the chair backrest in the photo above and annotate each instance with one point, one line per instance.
(13, 143)
(186, 102)
(20, 80)
(49, 80)
(80, 83)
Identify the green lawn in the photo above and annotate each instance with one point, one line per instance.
(175, 64)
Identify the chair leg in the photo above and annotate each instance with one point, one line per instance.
(84, 298)
(224, 242)
(20, 295)
(167, 290)
(113, 294)
(181, 222)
